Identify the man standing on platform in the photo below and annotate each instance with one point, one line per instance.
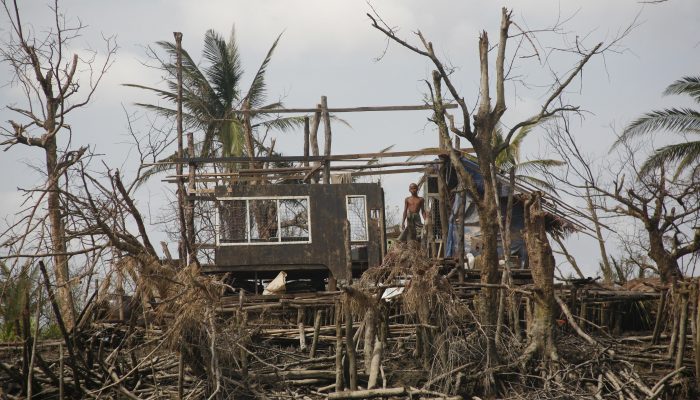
(414, 208)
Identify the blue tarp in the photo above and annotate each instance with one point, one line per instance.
(471, 218)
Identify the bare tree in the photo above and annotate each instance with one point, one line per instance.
(666, 209)
(669, 212)
(479, 129)
(55, 84)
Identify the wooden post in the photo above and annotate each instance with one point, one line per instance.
(338, 350)
(583, 310)
(327, 140)
(382, 232)
(659, 318)
(682, 328)
(306, 140)
(300, 324)
(368, 346)
(317, 330)
(443, 206)
(182, 250)
(349, 342)
(313, 139)
(674, 329)
(460, 234)
(191, 169)
(242, 319)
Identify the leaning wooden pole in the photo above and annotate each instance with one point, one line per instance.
(182, 248)
(317, 329)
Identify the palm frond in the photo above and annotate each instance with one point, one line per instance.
(517, 140)
(155, 170)
(339, 120)
(686, 154)
(534, 166)
(256, 92)
(375, 160)
(670, 119)
(283, 124)
(538, 183)
(224, 71)
(688, 85)
(413, 158)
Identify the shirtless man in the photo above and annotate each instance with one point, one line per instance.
(414, 207)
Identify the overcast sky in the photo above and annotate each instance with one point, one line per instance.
(328, 48)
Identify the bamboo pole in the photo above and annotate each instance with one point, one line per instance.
(312, 157)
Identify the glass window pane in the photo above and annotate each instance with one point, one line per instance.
(357, 215)
(294, 220)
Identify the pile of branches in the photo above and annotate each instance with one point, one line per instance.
(425, 343)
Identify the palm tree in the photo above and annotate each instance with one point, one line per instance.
(212, 96)
(510, 158)
(679, 120)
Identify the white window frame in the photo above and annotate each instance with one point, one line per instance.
(279, 221)
(347, 197)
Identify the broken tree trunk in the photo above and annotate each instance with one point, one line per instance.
(541, 331)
